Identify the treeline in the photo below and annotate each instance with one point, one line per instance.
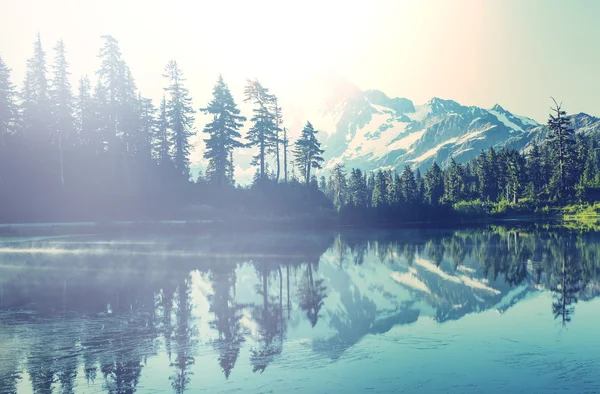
(563, 168)
(107, 152)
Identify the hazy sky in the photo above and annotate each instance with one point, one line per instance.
(514, 52)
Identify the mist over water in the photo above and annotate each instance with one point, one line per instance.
(471, 310)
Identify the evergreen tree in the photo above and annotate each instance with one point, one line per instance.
(307, 151)
(357, 189)
(148, 123)
(434, 184)
(262, 134)
(161, 146)
(534, 170)
(496, 174)
(34, 97)
(515, 176)
(453, 182)
(338, 186)
(223, 135)
(180, 118)
(84, 113)
(420, 186)
(380, 187)
(8, 105)
(485, 178)
(61, 96)
(370, 181)
(323, 184)
(62, 99)
(560, 138)
(102, 127)
(394, 189)
(409, 186)
(110, 79)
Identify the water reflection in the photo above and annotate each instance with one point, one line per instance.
(98, 318)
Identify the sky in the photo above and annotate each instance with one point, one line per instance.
(516, 53)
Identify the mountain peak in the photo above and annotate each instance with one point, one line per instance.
(439, 105)
(498, 108)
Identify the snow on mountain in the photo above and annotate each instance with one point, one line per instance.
(375, 131)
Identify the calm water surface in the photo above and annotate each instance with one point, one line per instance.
(468, 311)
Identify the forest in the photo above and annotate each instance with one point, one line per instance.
(105, 152)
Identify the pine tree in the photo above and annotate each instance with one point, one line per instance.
(409, 186)
(370, 181)
(223, 134)
(8, 105)
(323, 184)
(394, 188)
(338, 186)
(434, 184)
(179, 117)
(495, 174)
(357, 189)
(61, 96)
(161, 146)
(307, 151)
(484, 177)
(84, 114)
(560, 138)
(454, 182)
(534, 170)
(148, 124)
(110, 78)
(515, 175)
(380, 197)
(420, 186)
(34, 97)
(102, 128)
(130, 108)
(262, 134)
(62, 99)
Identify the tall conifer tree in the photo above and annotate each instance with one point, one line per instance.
(223, 135)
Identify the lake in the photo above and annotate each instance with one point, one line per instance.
(494, 310)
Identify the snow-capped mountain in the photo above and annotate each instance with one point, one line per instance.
(375, 131)
(369, 130)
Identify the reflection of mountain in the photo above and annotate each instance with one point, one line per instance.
(103, 316)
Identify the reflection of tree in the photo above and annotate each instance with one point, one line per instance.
(436, 250)
(269, 318)
(227, 318)
(67, 365)
(409, 252)
(40, 365)
(126, 341)
(312, 294)
(184, 338)
(566, 286)
(10, 361)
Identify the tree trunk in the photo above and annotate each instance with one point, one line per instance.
(277, 158)
(308, 171)
(287, 271)
(262, 160)
(285, 172)
(62, 167)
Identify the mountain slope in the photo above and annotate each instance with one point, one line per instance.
(370, 130)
